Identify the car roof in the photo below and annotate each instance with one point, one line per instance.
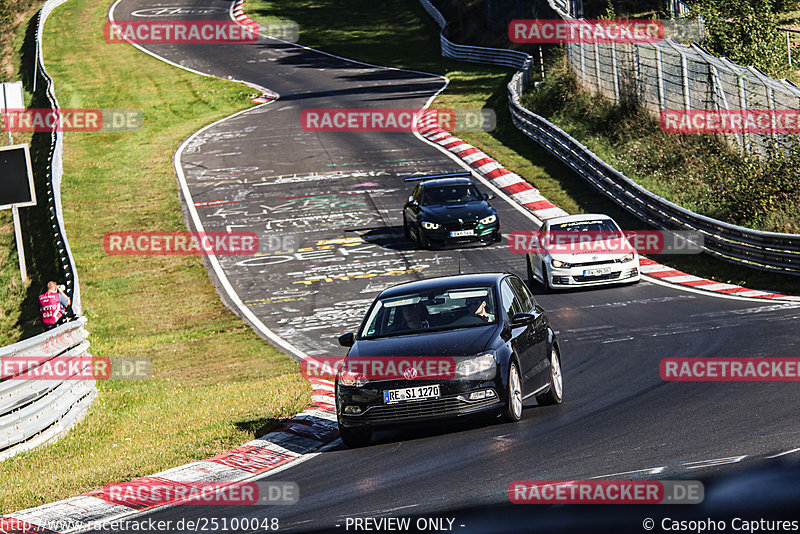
(576, 218)
(445, 181)
(445, 282)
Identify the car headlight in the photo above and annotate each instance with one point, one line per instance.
(430, 225)
(625, 258)
(351, 378)
(479, 367)
(558, 264)
(488, 220)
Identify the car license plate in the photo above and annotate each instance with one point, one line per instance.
(596, 272)
(411, 394)
(462, 233)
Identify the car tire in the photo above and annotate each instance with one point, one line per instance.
(546, 279)
(513, 409)
(405, 227)
(529, 268)
(355, 437)
(422, 241)
(555, 393)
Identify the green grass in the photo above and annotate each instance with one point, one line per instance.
(216, 384)
(402, 34)
(18, 313)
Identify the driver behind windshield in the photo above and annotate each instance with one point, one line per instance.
(413, 316)
(450, 195)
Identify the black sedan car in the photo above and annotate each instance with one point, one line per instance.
(446, 348)
(449, 211)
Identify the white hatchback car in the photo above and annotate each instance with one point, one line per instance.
(581, 250)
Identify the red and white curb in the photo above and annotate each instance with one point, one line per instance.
(512, 184)
(239, 16)
(529, 197)
(306, 433)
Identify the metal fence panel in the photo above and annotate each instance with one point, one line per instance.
(676, 76)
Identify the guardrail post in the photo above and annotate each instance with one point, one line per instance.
(662, 105)
(597, 66)
(615, 69)
(771, 104)
(743, 106)
(789, 48)
(583, 63)
(541, 60)
(687, 98)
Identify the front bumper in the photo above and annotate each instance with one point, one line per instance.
(453, 403)
(480, 232)
(628, 272)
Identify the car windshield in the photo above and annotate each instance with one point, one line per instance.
(444, 309)
(450, 194)
(604, 226)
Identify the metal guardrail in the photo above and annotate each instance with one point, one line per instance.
(55, 171)
(768, 251)
(495, 56)
(35, 411)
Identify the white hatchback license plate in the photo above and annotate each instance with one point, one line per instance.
(410, 394)
(462, 233)
(596, 272)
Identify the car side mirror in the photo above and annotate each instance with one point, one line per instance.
(411, 199)
(523, 319)
(488, 196)
(347, 339)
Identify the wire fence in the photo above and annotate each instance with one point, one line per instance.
(670, 76)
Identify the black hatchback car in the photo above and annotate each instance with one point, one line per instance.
(449, 211)
(446, 348)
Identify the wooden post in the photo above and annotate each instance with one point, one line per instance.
(23, 269)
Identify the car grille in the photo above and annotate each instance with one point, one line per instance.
(466, 225)
(421, 409)
(597, 278)
(590, 263)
